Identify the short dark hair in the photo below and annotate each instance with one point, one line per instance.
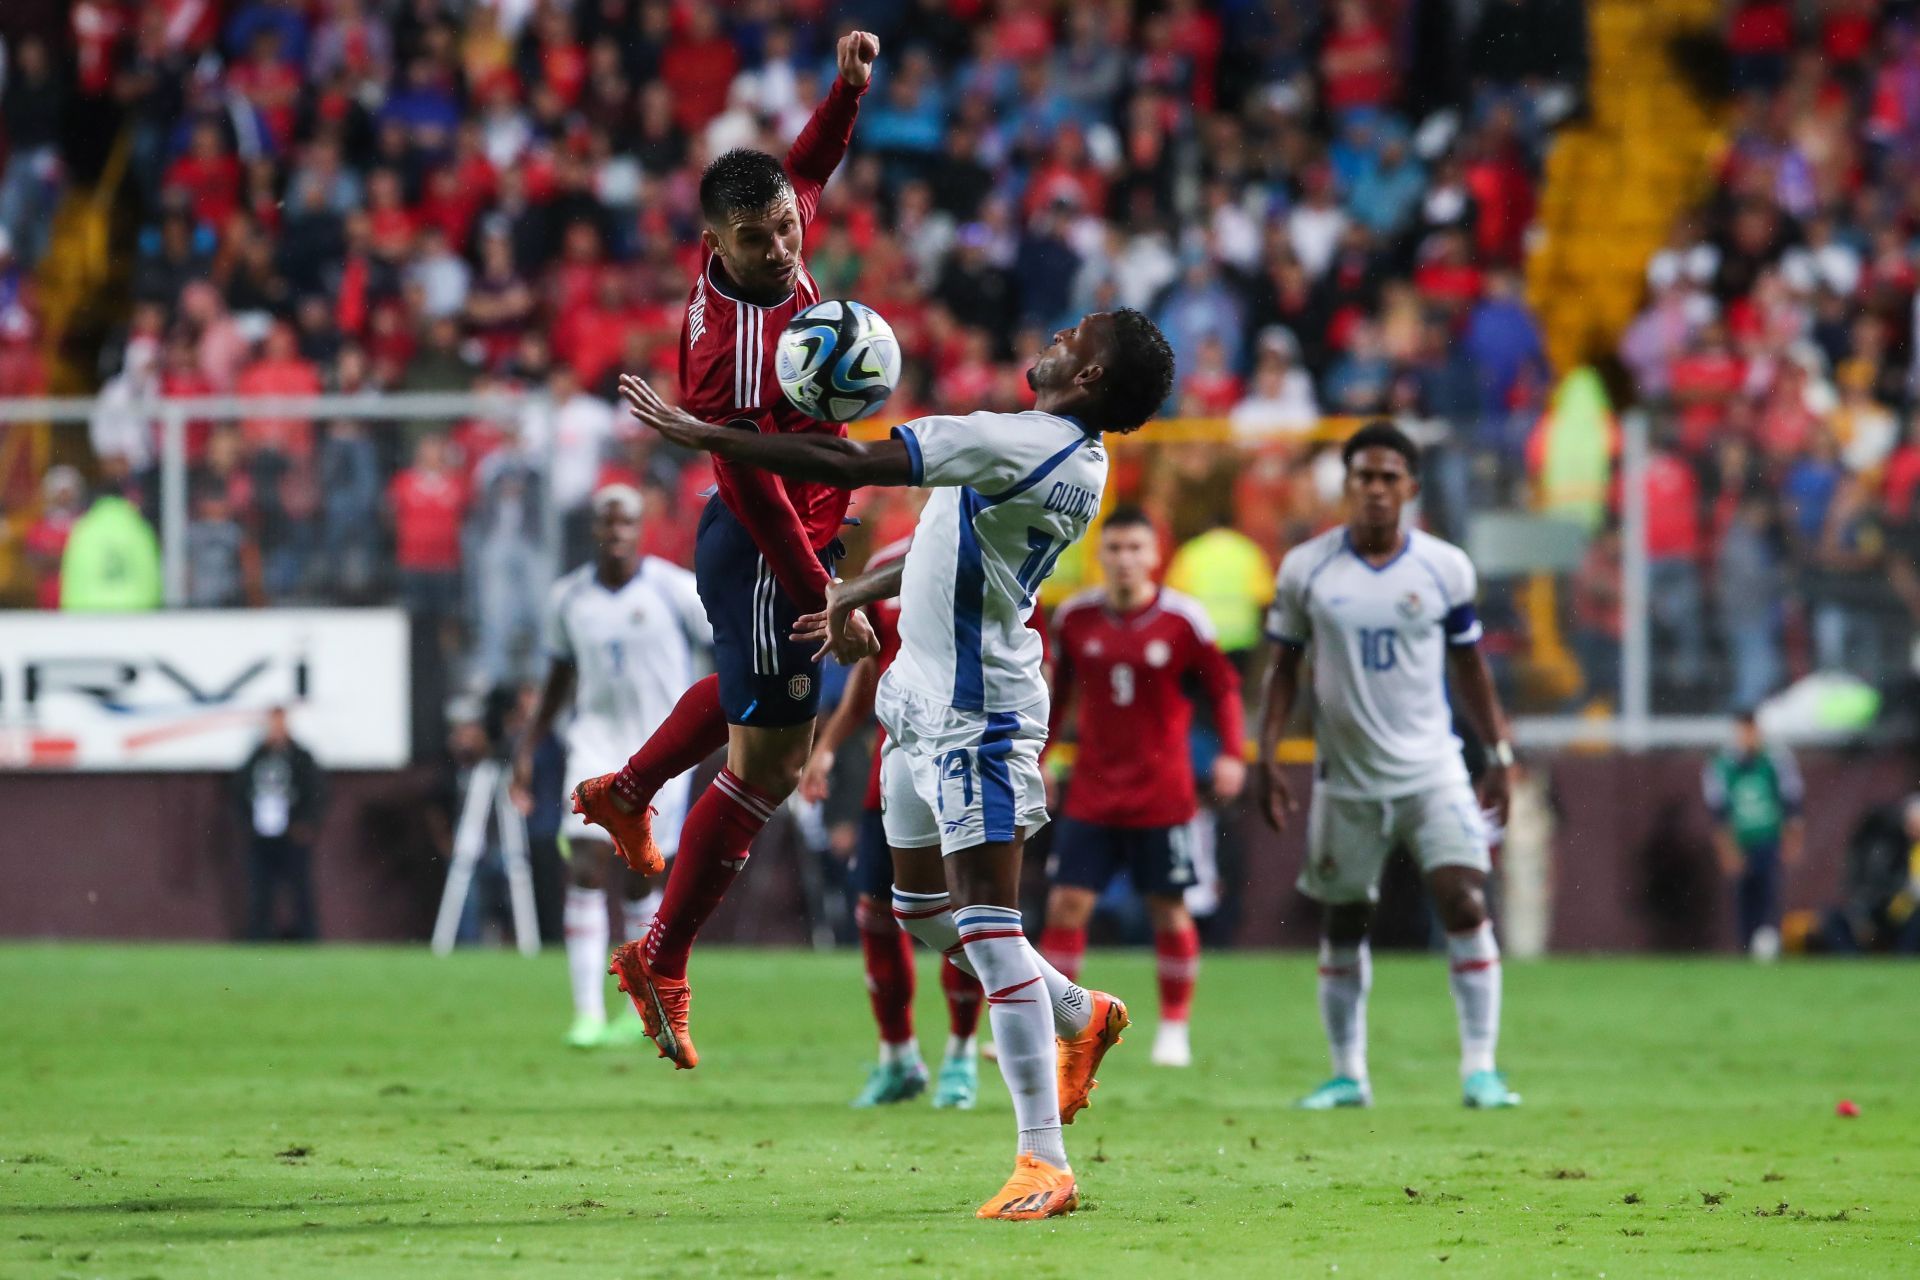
(742, 180)
(1139, 377)
(1127, 516)
(1382, 435)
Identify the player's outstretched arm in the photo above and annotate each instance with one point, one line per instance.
(1277, 695)
(822, 144)
(841, 628)
(814, 456)
(1469, 678)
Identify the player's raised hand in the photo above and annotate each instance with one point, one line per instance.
(1272, 794)
(677, 425)
(855, 53)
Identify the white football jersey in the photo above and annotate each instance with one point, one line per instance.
(1377, 639)
(634, 650)
(1011, 492)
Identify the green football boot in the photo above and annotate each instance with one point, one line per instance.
(587, 1032)
(893, 1082)
(1486, 1090)
(1341, 1091)
(959, 1083)
(626, 1031)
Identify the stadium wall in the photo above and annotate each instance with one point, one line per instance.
(159, 856)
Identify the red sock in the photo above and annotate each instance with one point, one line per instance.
(888, 950)
(692, 731)
(713, 848)
(1064, 949)
(963, 992)
(1178, 953)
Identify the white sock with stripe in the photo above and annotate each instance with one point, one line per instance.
(636, 914)
(930, 918)
(1346, 975)
(584, 920)
(1474, 963)
(1022, 1025)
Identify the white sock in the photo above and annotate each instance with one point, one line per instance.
(929, 917)
(1474, 960)
(907, 1050)
(961, 1047)
(636, 914)
(585, 919)
(1346, 975)
(1022, 1025)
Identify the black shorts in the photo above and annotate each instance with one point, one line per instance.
(765, 679)
(1156, 859)
(873, 860)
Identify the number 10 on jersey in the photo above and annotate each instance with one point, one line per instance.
(1377, 648)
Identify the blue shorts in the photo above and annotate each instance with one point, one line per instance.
(1156, 859)
(766, 679)
(873, 860)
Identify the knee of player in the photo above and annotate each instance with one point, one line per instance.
(1347, 924)
(1069, 908)
(1167, 914)
(1461, 905)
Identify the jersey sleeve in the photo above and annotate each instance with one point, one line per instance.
(1222, 684)
(681, 590)
(822, 144)
(990, 452)
(1287, 621)
(1462, 623)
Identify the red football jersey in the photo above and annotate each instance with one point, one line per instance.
(726, 375)
(1128, 673)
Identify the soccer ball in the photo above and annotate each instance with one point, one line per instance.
(837, 361)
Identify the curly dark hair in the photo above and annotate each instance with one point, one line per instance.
(742, 180)
(1382, 434)
(1138, 376)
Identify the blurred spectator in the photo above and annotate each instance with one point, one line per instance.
(223, 565)
(1748, 582)
(1232, 578)
(1754, 792)
(428, 502)
(1880, 889)
(62, 496)
(1596, 615)
(111, 563)
(281, 793)
(508, 569)
(350, 499)
(33, 103)
(1280, 397)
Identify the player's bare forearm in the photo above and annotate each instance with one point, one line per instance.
(1278, 692)
(869, 588)
(1468, 668)
(813, 456)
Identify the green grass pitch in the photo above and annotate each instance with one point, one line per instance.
(363, 1113)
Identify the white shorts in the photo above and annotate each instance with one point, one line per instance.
(1348, 839)
(958, 778)
(670, 803)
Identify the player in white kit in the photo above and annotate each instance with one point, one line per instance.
(624, 635)
(965, 702)
(1387, 617)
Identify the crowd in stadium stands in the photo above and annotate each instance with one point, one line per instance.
(1780, 333)
(1324, 203)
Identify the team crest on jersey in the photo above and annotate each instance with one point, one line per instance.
(1159, 653)
(799, 687)
(1412, 606)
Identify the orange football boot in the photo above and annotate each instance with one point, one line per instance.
(632, 832)
(1036, 1190)
(661, 1002)
(1080, 1057)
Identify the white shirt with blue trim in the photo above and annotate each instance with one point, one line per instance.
(635, 648)
(1011, 492)
(1377, 638)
